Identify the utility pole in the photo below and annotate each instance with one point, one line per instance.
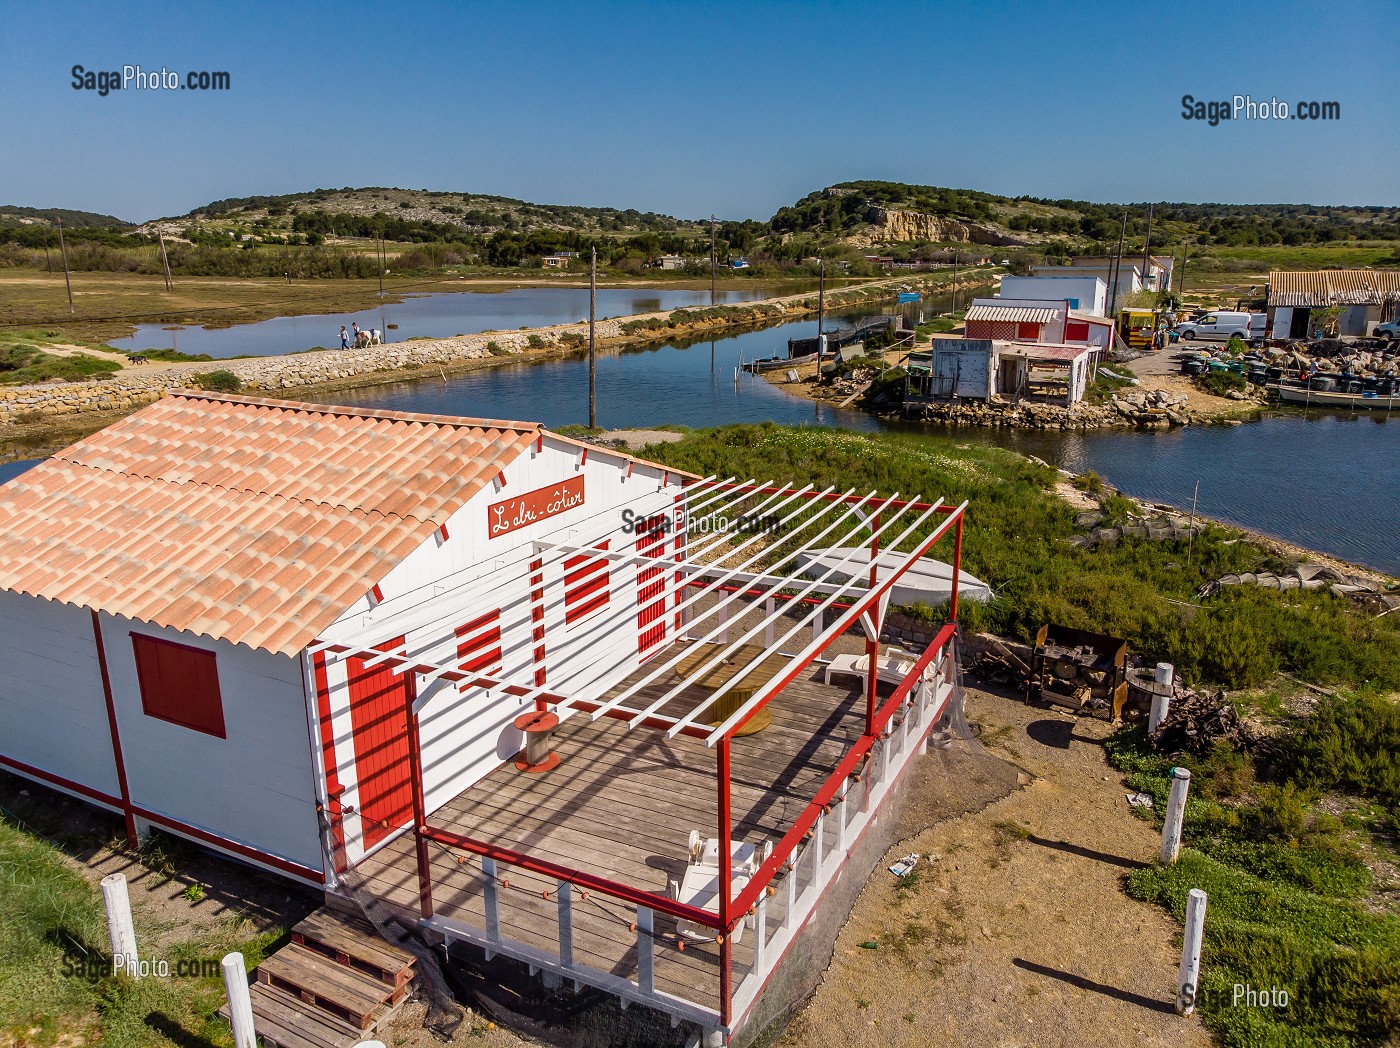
(821, 306)
(1147, 244)
(64, 250)
(380, 254)
(712, 260)
(592, 358)
(48, 262)
(1181, 284)
(165, 264)
(1116, 268)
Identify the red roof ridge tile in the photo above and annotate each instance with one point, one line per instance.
(456, 421)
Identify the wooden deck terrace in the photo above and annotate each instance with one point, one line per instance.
(621, 806)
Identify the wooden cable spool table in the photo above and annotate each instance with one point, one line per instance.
(756, 663)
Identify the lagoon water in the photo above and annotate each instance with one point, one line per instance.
(440, 315)
(1327, 481)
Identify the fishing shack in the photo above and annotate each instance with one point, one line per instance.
(560, 707)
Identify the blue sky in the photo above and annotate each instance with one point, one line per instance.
(690, 108)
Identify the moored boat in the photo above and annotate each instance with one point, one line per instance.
(1365, 401)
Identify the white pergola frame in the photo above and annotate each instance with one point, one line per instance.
(858, 594)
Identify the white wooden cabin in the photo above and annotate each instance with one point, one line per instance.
(161, 579)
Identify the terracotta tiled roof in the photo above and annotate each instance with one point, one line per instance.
(1334, 287)
(1020, 314)
(253, 521)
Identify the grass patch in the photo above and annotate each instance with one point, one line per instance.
(1285, 886)
(1221, 382)
(22, 364)
(172, 356)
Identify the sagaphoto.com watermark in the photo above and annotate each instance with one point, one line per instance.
(1247, 107)
(138, 78)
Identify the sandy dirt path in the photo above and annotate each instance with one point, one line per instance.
(1017, 931)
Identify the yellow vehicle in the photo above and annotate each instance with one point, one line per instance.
(1136, 327)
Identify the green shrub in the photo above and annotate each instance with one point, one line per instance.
(1090, 482)
(535, 342)
(1221, 382)
(496, 349)
(1351, 743)
(220, 381)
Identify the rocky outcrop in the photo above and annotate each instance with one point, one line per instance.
(897, 225)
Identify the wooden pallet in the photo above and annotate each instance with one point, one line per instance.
(330, 986)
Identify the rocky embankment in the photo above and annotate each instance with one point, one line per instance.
(1148, 409)
(52, 402)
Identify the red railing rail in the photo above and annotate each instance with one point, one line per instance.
(836, 781)
(624, 892)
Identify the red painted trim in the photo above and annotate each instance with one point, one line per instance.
(537, 622)
(132, 837)
(87, 792)
(294, 869)
(618, 890)
(377, 593)
(826, 889)
(334, 787)
(957, 571)
(872, 644)
(203, 836)
(420, 814)
(442, 530)
(837, 779)
(583, 459)
(539, 444)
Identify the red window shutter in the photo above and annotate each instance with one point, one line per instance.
(479, 644)
(1027, 331)
(651, 593)
(179, 684)
(1076, 332)
(585, 585)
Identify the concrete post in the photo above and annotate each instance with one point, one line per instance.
(1176, 815)
(1189, 975)
(120, 929)
(646, 956)
(1165, 674)
(240, 1005)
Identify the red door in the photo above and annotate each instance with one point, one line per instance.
(378, 720)
(651, 593)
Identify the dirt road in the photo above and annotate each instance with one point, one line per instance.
(1015, 931)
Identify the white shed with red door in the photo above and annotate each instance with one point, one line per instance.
(163, 581)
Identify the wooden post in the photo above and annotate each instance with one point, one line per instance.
(818, 847)
(791, 880)
(120, 929)
(592, 359)
(712, 265)
(818, 624)
(1189, 974)
(493, 903)
(165, 264)
(646, 959)
(726, 870)
(842, 810)
(770, 630)
(760, 943)
(565, 898)
(63, 249)
(1161, 703)
(240, 1005)
(415, 789)
(1176, 814)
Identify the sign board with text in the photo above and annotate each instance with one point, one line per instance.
(532, 507)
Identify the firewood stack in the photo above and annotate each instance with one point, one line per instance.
(1195, 721)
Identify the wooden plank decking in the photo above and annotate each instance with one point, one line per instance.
(621, 805)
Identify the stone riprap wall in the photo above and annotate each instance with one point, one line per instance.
(133, 388)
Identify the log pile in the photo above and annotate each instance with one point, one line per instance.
(1195, 721)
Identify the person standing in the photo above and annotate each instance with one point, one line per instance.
(344, 338)
(355, 333)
